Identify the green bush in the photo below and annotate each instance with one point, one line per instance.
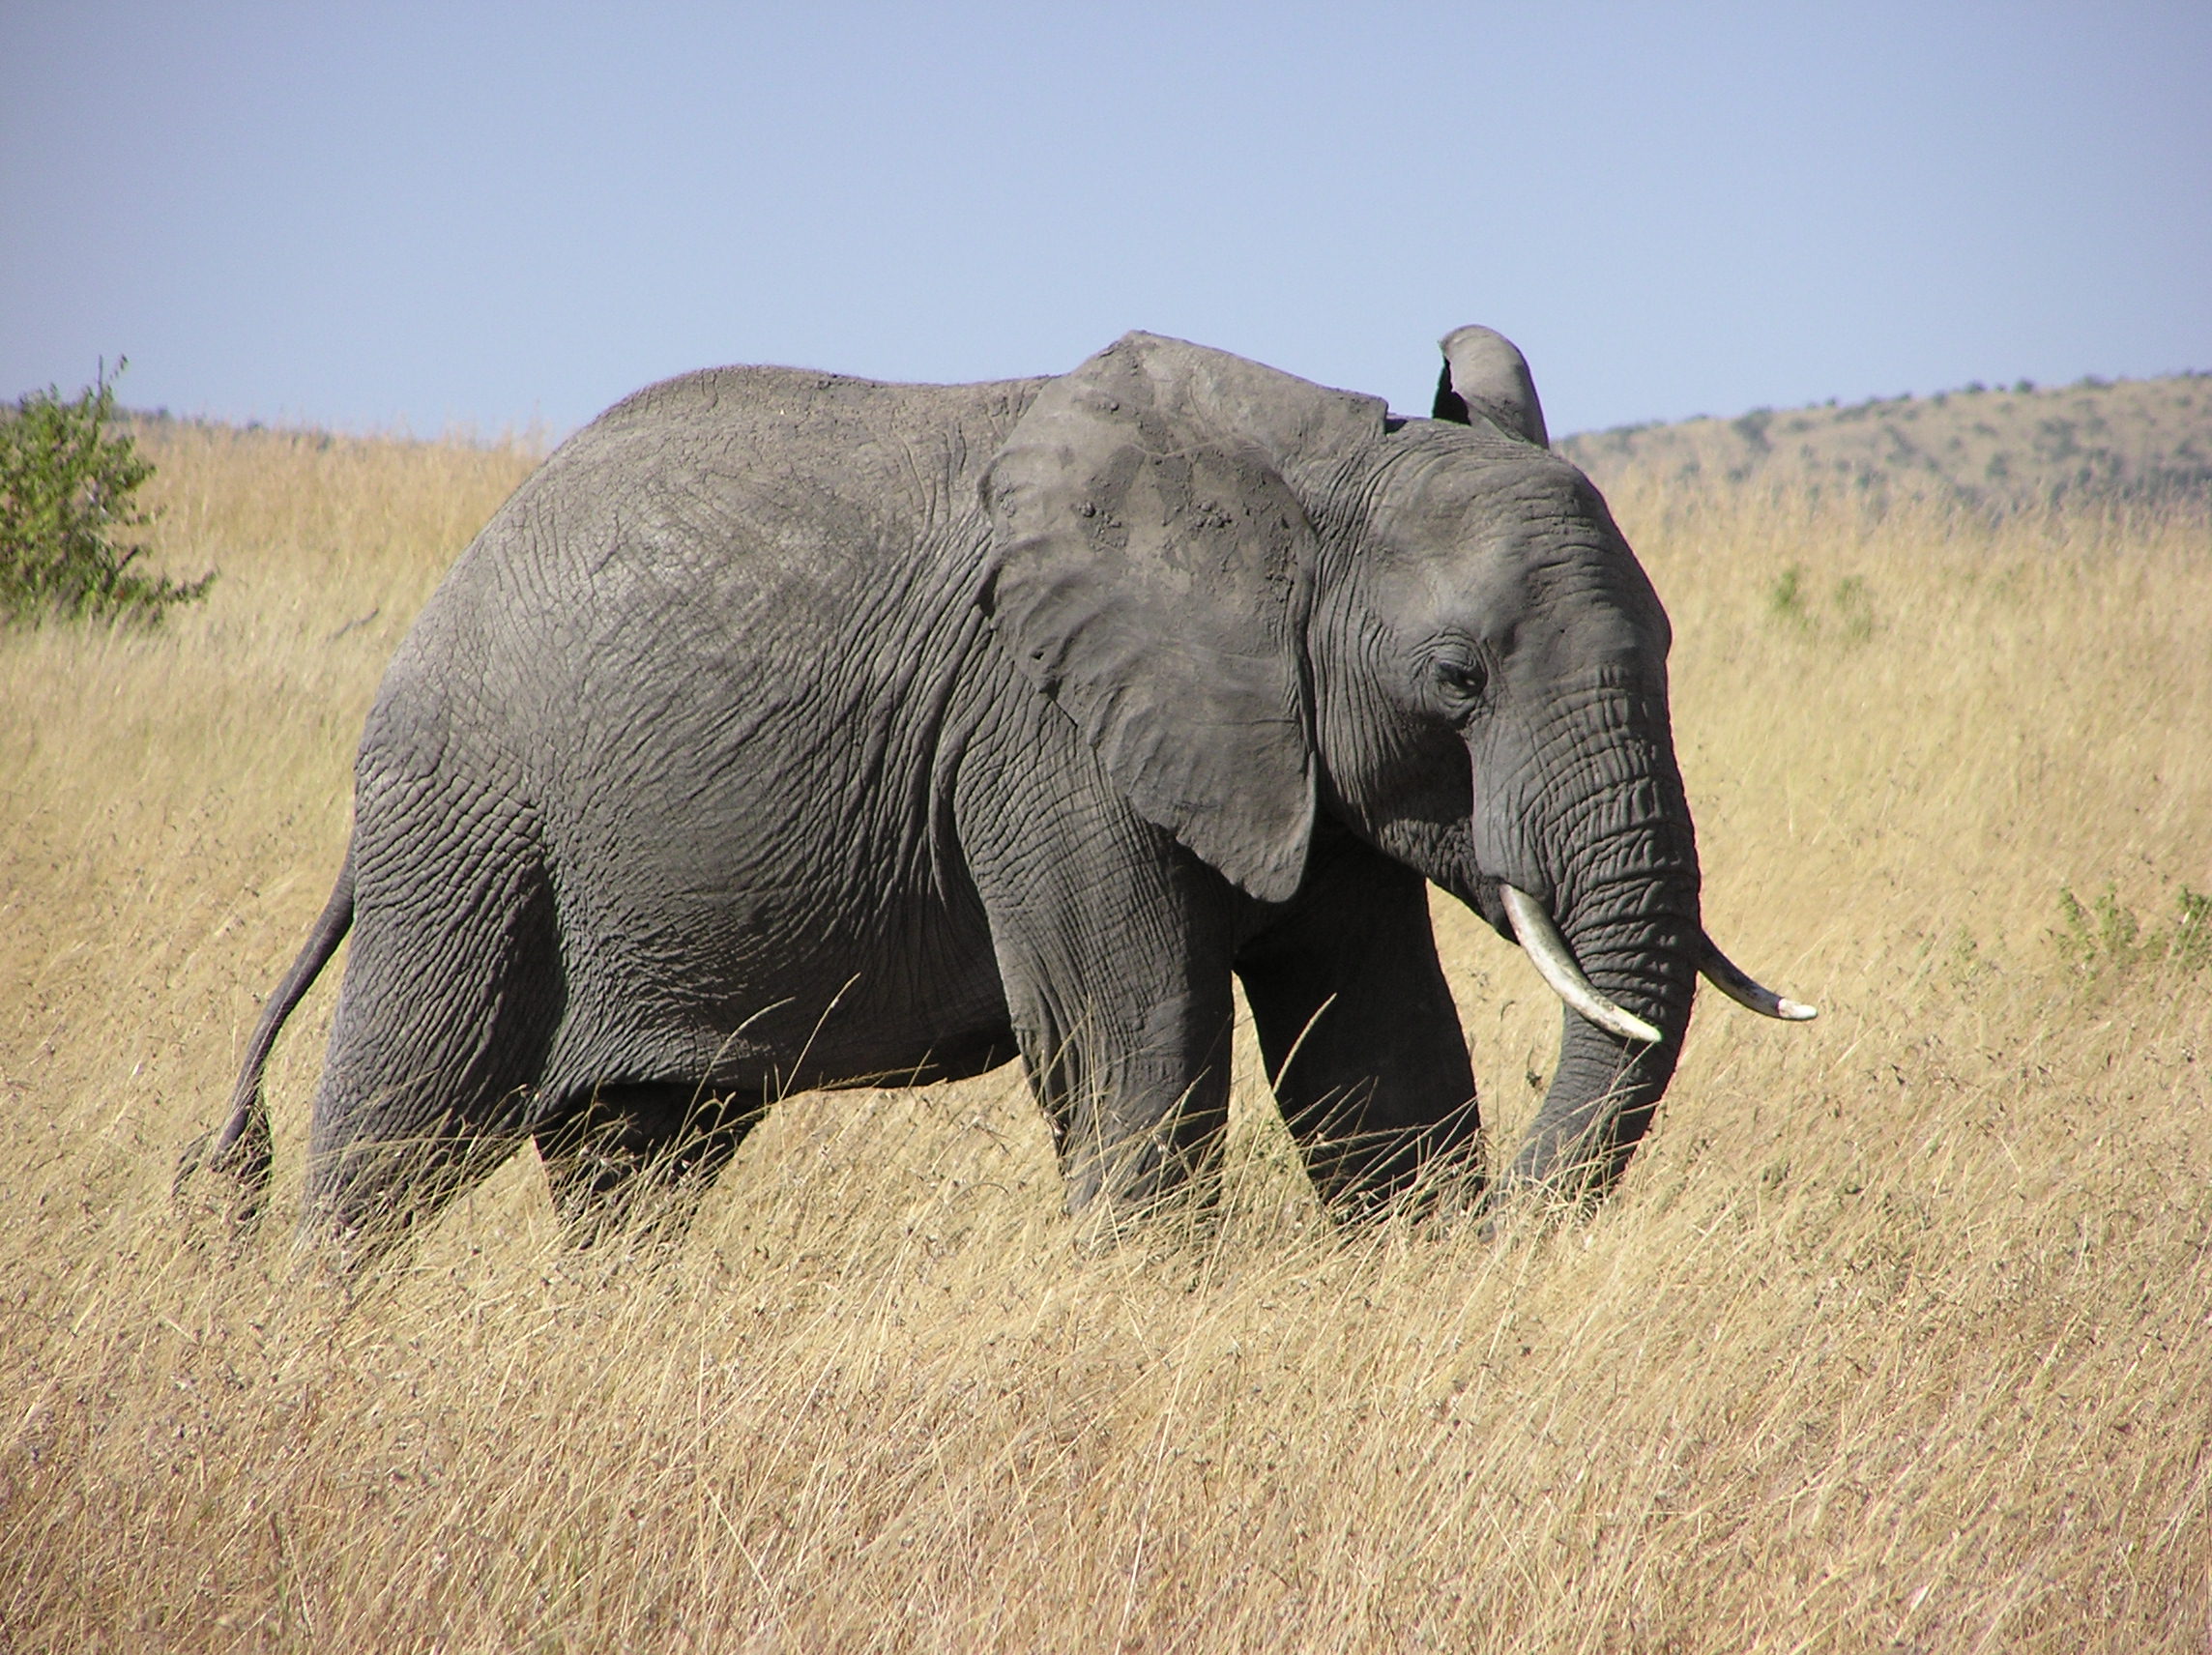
(65, 488)
(2102, 935)
(1791, 599)
(1786, 598)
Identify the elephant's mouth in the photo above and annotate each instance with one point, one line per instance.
(1554, 962)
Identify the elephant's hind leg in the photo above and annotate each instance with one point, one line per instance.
(451, 996)
(638, 1154)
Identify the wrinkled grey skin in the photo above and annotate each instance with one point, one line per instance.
(788, 731)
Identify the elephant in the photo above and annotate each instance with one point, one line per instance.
(787, 731)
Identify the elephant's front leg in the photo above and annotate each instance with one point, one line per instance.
(1359, 1029)
(1114, 947)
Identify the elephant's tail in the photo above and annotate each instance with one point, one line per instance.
(241, 1150)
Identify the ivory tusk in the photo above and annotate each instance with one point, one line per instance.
(1541, 939)
(1724, 975)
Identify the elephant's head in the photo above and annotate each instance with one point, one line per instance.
(1266, 602)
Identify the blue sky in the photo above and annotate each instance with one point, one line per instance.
(375, 214)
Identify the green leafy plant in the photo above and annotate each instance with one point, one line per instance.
(66, 486)
(2102, 935)
(1854, 609)
(1752, 427)
(1786, 598)
(1790, 601)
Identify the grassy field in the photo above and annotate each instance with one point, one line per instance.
(1898, 1334)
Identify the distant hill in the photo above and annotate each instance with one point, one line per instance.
(2126, 439)
(2139, 439)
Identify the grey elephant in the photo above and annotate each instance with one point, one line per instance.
(788, 731)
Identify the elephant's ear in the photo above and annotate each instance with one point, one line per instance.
(1486, 377)
(1149, 572)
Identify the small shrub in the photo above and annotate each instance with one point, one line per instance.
(67, 483)
(2189, 943)
(1787, 596)
(2104, 936)
(1854, 608)
(1752, 427)
(1791, 600)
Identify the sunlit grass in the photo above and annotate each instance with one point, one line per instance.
(1899, 1332)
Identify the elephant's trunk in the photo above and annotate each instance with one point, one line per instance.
(1606, 1085)
(1555, 964)
(1620, 864)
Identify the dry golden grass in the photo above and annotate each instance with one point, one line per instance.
(1898, 1335)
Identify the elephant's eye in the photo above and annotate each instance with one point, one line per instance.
(1462, 680)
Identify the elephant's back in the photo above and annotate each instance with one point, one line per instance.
(736, 598)
(762, 478)
(747, 523)
(833, 462)
(788, 411)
